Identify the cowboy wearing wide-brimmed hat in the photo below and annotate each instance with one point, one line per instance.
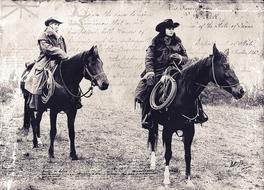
(52, 50)
(168, 23)
(164, 48)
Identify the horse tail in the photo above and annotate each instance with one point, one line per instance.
(26, 95)
(153, 136)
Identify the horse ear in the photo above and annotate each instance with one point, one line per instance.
(95, 50)
(226, 52)
(91, 50)
(215, 50)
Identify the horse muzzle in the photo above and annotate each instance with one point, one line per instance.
(103, 83)
(238, 92)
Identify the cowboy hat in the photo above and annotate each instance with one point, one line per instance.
(168, 23)
(52, 20)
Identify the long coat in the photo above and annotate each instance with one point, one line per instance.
(157, 60)
(52, 50)
(159, 52)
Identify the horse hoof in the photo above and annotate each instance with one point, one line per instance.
(153, 161)
(24, 132)
(74, 157)
(39, 142)
(51, 156)
(189, 185)
(166, 181)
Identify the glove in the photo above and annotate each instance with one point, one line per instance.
(177, 57)
(150, 77)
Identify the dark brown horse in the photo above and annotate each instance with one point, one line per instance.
(68, 75)
(183, 109)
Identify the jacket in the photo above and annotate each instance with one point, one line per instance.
(158, 53)
(52, 49)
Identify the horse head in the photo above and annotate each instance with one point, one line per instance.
(223, 75)
(94, 69)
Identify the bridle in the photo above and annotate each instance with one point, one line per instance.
(202, 85)
(93, 80)
(214, 78)
(215, 81)
(95, 77)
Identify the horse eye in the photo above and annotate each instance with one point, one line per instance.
(226, 66)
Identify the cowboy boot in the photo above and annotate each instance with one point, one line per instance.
(202, 116)
(34, 102)
(147, 121)
(146, 116)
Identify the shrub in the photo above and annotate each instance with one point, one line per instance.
(6, 92)
(215, 96)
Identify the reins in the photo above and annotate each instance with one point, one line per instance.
(215, 81)
(199, 84)
(90, 90)
(68, 90)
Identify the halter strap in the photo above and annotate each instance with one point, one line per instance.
(214, 78)
(215, 81)
(93, 79)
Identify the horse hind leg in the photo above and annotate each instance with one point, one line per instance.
(53, 132)
(26, 120)
(188, 138)
(70, 120)
(167, 138)
(152, 141)
(38, 120)
(34, 130)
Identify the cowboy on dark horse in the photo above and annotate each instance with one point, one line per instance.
(165, 48)
(52, 52)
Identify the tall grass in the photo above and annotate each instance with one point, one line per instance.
(7, 88)
(6, 93)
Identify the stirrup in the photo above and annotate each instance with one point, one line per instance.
(202, 117)
(147, 122)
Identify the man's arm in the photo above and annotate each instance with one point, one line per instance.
(149, 60)
(50, 50)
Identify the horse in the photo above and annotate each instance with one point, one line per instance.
(67, 77)
(182, 112)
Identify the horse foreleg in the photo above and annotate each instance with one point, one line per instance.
(34, 131)
(71, 119)
(38, 120)
(26, 120)
(53, 131)
(188, 133)
(167, 138)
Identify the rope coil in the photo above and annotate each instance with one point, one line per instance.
(166, 98)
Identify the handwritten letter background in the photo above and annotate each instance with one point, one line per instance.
(122, 30)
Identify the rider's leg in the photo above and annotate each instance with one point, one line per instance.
(202, 117)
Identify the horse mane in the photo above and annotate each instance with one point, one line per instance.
(78, 56)
(192, 68)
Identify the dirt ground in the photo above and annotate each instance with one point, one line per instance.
(227, 151)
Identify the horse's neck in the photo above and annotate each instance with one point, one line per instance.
(197, 77)
(71, 71)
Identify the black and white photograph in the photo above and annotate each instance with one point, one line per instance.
(131, 94)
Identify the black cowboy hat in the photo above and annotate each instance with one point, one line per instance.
(168, 23)
(53, 20)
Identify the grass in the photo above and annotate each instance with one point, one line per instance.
(114, 154)
(6, 92)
